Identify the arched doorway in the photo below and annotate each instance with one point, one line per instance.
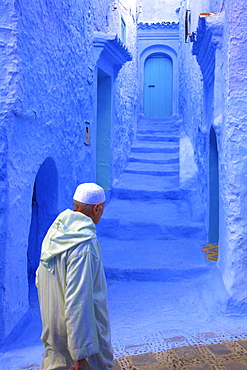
(158, 85)
(44, 210)
(103, 145)
(213, 230)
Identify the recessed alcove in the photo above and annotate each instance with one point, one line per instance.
(110, 55)
(44, 211)
(213, 229)
(103, 145)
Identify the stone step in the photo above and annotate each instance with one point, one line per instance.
(159, 126)
(159, 260)
(157, 137)
(136, 219)
(154, 173)
(162, 274)
(145, 194)
(158, 158)
(155, 169)
(145, 186)
(116, 229)
(159, 120)
(162, 211)
(154, 147)
(148, 129)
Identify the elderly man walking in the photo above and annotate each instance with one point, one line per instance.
(72, 288)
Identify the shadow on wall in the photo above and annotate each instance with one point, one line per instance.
(213, 232)
(103, 146)
(44, 211)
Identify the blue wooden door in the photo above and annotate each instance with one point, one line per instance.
(158, 76)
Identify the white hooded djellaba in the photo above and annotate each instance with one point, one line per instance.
(73, 295)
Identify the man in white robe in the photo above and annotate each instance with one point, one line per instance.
(72, 288)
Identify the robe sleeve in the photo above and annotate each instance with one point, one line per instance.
(79, 306)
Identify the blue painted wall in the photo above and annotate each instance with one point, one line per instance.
(49, 84)
(210, 83)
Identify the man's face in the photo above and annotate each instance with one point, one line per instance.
(97, 211)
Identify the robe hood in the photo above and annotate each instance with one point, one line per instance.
(69, 229)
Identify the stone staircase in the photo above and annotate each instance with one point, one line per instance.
(148, 230)
(153, 167)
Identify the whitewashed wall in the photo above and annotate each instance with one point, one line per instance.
(159, 11)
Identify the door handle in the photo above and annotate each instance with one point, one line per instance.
(151, 85)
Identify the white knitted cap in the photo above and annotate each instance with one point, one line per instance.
(89, 193)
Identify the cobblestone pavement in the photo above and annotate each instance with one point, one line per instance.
(218, 356)
(175, 353)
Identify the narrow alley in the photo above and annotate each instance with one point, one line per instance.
(148, 100)
(152, 248)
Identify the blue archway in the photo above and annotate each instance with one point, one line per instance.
(213, 230)
(103, 144)
(44, 210)
(171, 58)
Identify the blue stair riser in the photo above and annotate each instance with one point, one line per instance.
(164, 133)
(131, 231)
(154, 173)
(158, 120)
(155, 161)
(146, 195)
(154, 150)
(162, 275)
(152, 138)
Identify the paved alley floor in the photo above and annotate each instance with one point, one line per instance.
(156, 325)
(221, 356)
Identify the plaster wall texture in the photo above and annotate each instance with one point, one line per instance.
(234, 151)
(8, 89)
(191, 110)
(126, 92)
(202, 6)
(52, 100)
(48, 92)
(196, 102)
(125, 86)
(159, 11)
(220, 102)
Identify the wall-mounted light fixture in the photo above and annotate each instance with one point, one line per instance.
(114, 6)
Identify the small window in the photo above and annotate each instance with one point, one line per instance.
(123, 30)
